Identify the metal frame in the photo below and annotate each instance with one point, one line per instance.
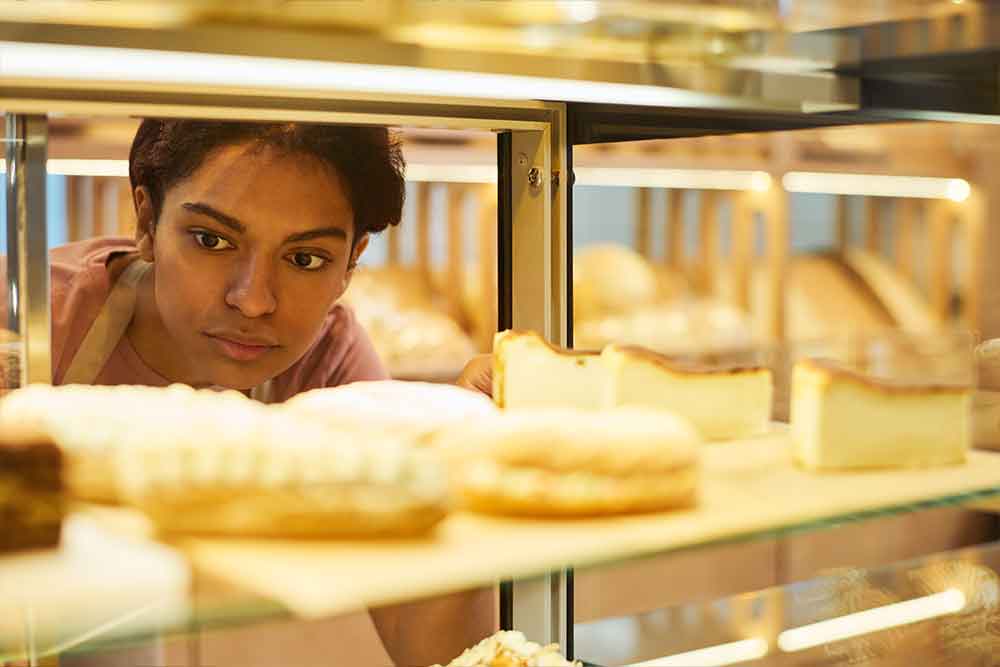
(534, 147)
(532, 222)
(27, 289)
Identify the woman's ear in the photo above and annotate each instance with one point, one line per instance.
(145, 227)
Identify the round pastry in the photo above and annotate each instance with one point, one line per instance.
(572, 463)
(406, 409)
(611, 279)
(270, 475)
(510, 648)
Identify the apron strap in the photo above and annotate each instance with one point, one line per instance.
(109, 327)
(263, 392)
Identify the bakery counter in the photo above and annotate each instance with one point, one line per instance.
(750, 491)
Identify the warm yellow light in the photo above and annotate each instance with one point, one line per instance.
(681, 179)
(958, 190)
(877, 185)
(950, 601)
(88, 167)
(452, 173)
(60, 167)
(39, 62)
(695, 179)
(713, 656)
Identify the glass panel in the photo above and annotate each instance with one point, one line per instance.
(10, 348)
(942, 609)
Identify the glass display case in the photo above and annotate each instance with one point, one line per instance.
(556, 580)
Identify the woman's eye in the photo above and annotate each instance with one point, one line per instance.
(211, 241)
(307, 261)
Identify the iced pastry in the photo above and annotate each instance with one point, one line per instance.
(405, 409)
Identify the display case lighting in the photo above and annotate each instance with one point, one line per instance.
(681, 179)
(37, 62)
(732, 653)
(894, 615)
(684, 179)
(877, 185)
(82, 167)
(64, 167)
(699, 179)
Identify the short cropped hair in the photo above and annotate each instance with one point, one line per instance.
(368, 160)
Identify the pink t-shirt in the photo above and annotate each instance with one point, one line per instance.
(81, 282)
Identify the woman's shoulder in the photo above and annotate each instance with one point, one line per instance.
(91, 255)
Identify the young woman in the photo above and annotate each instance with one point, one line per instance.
(247, 235)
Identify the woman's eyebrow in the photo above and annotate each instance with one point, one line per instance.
(322, 232)
(218, 216)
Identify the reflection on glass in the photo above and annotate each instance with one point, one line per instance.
(944, 609)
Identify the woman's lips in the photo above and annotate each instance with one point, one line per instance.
(239, 351)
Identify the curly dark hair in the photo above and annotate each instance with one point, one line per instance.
(368, 159)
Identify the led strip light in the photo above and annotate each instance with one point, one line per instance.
(91, 63)
(713, 656)
(955, 189)
(877, 185)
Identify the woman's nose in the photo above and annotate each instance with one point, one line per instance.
(250, 289)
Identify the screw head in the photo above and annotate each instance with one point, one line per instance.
(534, 177)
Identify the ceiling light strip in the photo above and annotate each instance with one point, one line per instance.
(684, 179)
(955, 189)
(33, 61)
(877, 185)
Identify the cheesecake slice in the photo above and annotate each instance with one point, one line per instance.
(530, 373)
(842, 420)
(723, 404)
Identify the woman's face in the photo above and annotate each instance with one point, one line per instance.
(250, 252)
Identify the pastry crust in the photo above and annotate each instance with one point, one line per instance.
(825, 371)
(680, 369)
(510, 648)
(492, 489)
(295, 512)
(573, 463)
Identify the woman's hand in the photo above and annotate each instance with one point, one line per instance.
(478, 374)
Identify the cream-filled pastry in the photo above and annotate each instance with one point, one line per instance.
(562, 462)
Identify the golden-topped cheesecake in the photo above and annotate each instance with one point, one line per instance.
(723, 404)
(841, 419)
(530, 373)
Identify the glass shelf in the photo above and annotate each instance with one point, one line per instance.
(752, 494)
